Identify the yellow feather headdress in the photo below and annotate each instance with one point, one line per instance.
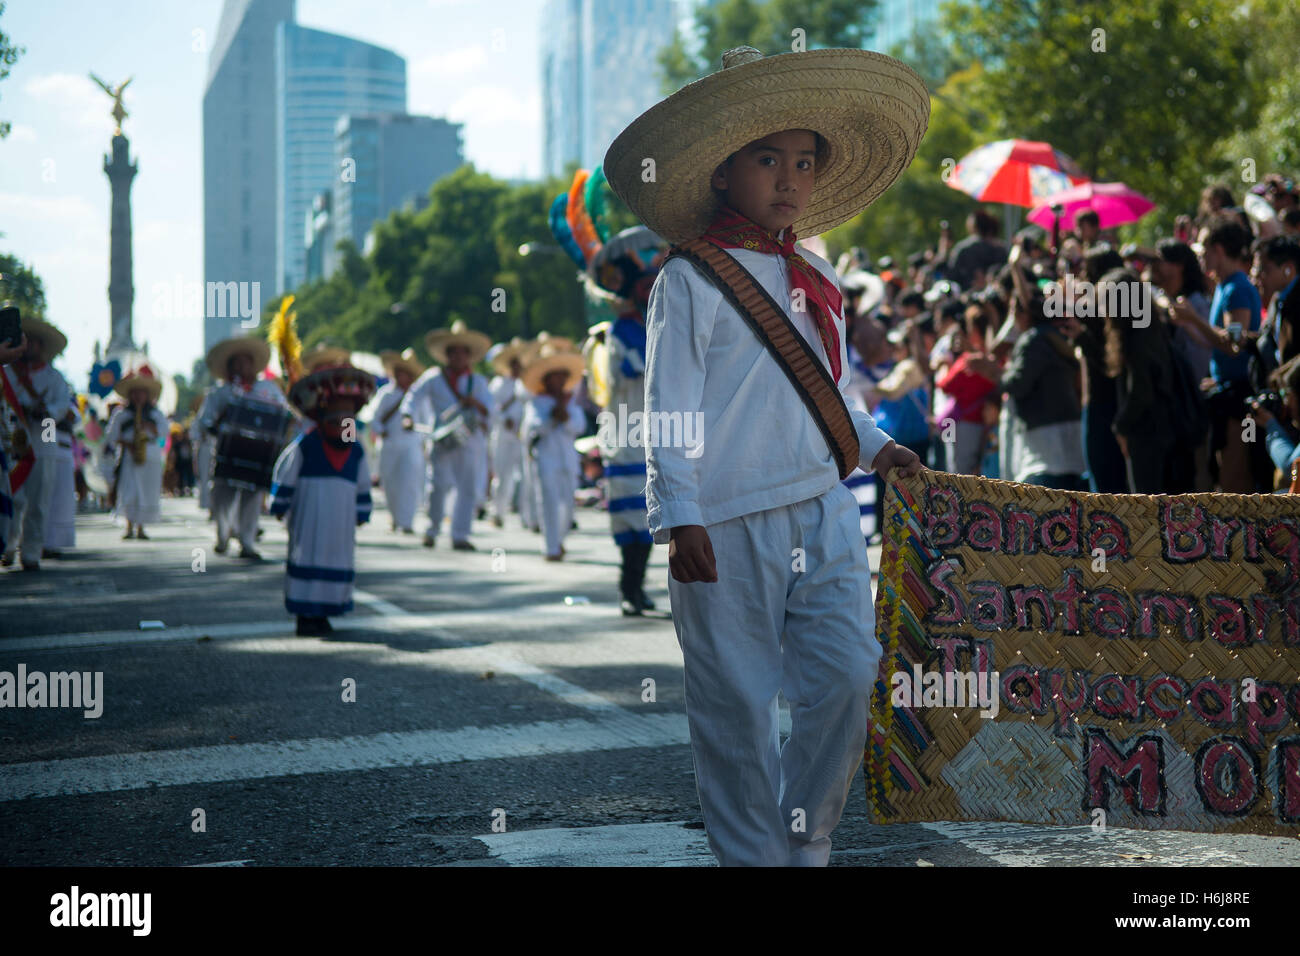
(283, 337)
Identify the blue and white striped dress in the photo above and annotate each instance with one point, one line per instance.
(324, 506)
(625, 472)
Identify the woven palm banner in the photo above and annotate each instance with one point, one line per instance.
(1111, 660)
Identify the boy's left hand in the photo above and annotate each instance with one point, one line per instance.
(894, 455)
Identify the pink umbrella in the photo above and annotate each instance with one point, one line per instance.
(1017, 171)
(1114, 203)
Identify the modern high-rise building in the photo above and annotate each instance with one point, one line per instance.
(318, 236)
(394, 159)
(319, 77)
(600, 70)
(239, 134)
(898, 21)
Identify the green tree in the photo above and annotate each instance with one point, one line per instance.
(1133, 92)
(767, 25)
(20, 286)
(8, 57)
(1273, 143)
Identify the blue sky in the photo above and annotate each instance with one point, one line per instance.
(471, 61)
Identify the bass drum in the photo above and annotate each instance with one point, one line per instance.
(249, 440)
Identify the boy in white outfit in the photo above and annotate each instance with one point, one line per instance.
(552, 422)
(770, 584)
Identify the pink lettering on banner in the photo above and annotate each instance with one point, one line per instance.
(1227, 776)
(1067, 705)
(1266, 713)
(1182, 538)
(1287, 754)
(1213, 702)
(1139, 773)
(1022, 690)
(1168, 709)
(942, 517)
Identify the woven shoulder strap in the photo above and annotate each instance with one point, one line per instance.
(775, 330)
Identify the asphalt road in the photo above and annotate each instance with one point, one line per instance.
(500, 717)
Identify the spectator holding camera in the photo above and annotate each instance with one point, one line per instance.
(1283, 448)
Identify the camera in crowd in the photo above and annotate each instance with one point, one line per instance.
(1271, 402)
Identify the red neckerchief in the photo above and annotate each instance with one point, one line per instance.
(453, 378)
(337, 456)
(731, 230)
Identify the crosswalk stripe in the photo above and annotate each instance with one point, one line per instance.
(290, 758)
(625, 844)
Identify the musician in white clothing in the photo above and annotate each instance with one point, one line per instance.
(134, 432)
(401, 457)
(237, 362)
(504, 447)
(553, 421)
(463, 405)
(45, 398)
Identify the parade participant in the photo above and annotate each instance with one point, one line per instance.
(203, 445)
(44, 398)
(553, 420)
(503, 444)
(237, 362)
(135, 430)
(530, 495)
(322, 484)
(401, 457)
(455, 391)
(9, 352)
(786, 605)
(624, 379)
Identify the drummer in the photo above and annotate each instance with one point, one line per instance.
(237, 362)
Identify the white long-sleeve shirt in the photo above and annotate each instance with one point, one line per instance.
(50, 391)
(554, 440)
(761, 447)
(434, 388)
(510, 402)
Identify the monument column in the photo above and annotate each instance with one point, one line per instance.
(120, 171)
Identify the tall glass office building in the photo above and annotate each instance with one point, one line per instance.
(318, 78)
(239, 136)
(599, 72)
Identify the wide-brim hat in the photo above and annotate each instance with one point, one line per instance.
(501, 354)
(459, 333)
(142, 377)
(404, 360)
(551, 359)
(544, 339)
(311, 393)
(219, 355)
(870, 109)
(55, 341)
(324, 355)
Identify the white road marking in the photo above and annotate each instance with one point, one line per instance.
(289, 758)
(630, 844)
(222, 863)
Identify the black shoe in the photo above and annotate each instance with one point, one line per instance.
(646, 603)
(630, 608)
(428, 541)
(248, 554)
(314, 626)
(463, 546)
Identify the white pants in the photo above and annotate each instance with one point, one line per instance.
(507, 457)
(557, 487)
(401, 472)
(61, 521)
(457, 469)
(32, 508)
(764, 627)
(529, 496)
(236, 511)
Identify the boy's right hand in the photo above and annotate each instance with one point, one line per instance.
(690, 555)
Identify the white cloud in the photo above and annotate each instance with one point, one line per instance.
(455, 62)
(15, 207)
(496, 106)
(21, 134)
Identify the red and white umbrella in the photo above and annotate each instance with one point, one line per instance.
(1016, 171)
(1114, 203)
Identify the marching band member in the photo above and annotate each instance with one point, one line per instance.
(401, 458)
(44, 397)
(504, 445)
(8, 427)
(237, 362)
(61, 526)
(136, 428)
(530, 495)
(204, 447)
(552, 422)
(460, 457)
(322, 484)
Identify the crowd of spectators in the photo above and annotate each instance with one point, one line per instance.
(1067, 361)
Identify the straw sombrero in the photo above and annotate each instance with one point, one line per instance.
(551, 359)
(870, 109)
(311, 393)
(402, 360)
(501, 354)
(220, 354)
(459, 334)
(142, 377)
(557, 342)
(55, 341)
(323, 355)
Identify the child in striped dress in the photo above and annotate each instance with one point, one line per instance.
(322, 484)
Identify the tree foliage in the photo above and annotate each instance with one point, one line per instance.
(21, 286)
(8, 57)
